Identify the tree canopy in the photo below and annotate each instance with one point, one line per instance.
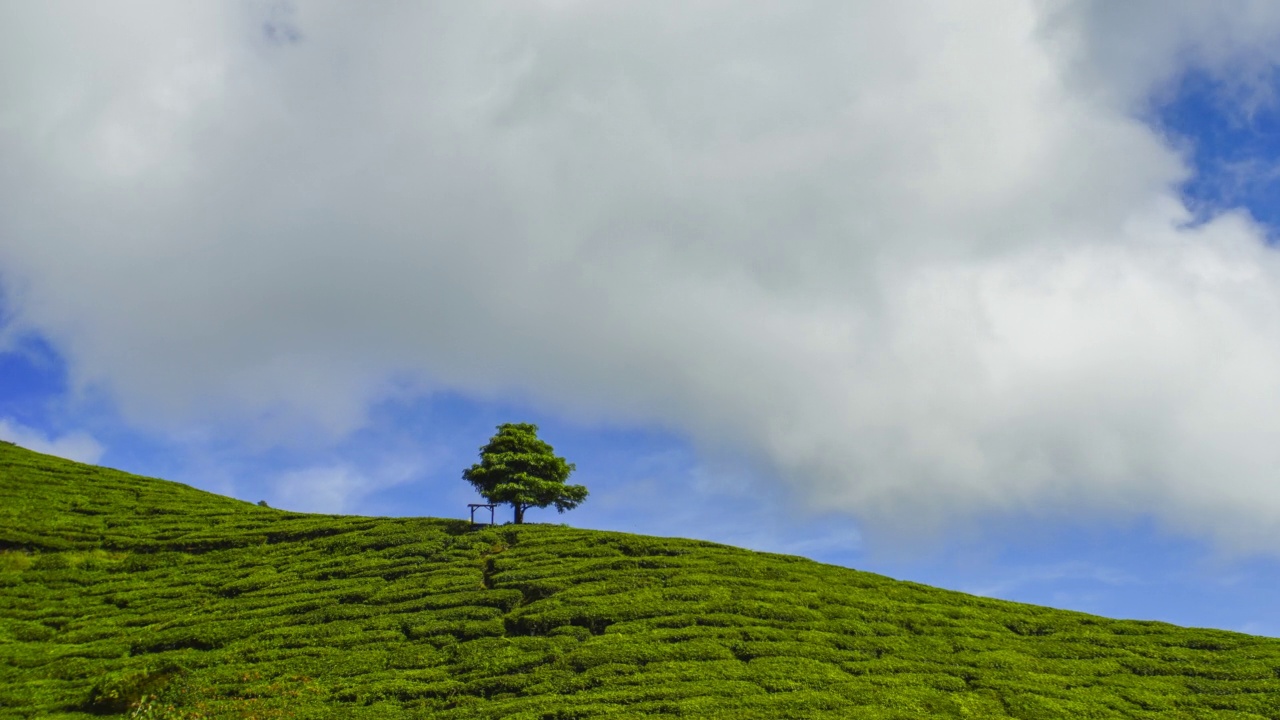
(519, 469)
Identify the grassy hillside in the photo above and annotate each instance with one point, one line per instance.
(114, 587)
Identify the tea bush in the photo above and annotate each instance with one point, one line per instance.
(146, 598)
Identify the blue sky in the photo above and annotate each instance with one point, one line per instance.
(991, 307)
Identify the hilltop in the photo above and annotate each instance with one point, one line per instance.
(115, 587)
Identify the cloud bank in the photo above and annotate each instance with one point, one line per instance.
(921, 260)
(336, 488)
(77, 446)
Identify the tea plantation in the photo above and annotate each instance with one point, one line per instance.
(139, 597)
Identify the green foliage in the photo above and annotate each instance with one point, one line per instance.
(117, 692)
(142, 598)
(519, 469)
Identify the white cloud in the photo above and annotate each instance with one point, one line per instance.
(1257, 628)
(337, 488)
(1133, 52)
(78, 446)
(919, 259)
(1020, 578)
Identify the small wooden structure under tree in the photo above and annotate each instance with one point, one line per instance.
(476, 506)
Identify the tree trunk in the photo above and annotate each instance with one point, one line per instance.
(519, 513)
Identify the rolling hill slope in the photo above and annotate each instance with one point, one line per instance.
(115, 588)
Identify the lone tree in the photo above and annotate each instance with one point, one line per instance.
(518, 468)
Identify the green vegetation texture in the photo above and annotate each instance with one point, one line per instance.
(145, 598)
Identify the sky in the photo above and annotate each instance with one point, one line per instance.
(980, 295)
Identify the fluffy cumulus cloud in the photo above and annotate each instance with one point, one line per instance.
(78, 446)
(923, 260)
(336, 488)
